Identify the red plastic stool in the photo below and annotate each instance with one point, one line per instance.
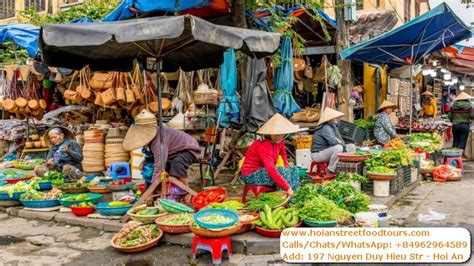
(214, 245)
(321, 173)
(320, 168)
(454, 161)
(256, 189)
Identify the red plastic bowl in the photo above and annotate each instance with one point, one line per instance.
(218, 191)
(272, 233)
(16, 180)
(81, 211)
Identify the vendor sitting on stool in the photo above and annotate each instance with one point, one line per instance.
(429, 107)
(384, 130)
(64, 155)
(259, 167)
(180, 151)
(327, 141)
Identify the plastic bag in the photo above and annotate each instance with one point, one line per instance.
(431, 216)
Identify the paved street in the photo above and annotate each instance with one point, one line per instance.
(31, 242)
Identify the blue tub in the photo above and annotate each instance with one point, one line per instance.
(5, 196)
(40, 203)
(104, 209)
(45, 185)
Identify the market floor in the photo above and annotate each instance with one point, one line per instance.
(31, 242)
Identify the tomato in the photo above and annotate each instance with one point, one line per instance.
(211, 198)
(220, 198)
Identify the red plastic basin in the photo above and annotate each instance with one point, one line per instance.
(81, 211)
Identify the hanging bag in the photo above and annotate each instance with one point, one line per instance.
(308, 70)
(120, 90)
(129, 93)
(102, 81)
(298, 64)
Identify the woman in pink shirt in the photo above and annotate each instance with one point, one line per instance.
(259, 167)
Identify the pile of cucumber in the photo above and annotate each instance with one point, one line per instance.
(277, 219)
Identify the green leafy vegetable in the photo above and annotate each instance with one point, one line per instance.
(271, 199)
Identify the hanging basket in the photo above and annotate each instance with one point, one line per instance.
(21, 102)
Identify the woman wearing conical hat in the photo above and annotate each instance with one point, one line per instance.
(327, 141)
(429, 107)
(180, 151)
(260, 163)
(461, 114)
(384, 130)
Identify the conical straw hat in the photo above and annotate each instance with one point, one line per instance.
(463, 96)
(68, 134)
(278, 125)
(142, 132)
(328, 115)
(386, 104)
(427, 93)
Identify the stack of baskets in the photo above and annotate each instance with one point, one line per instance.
(114, 151)
(93, 151)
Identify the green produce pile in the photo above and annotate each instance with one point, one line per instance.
(229, 204)
(148, 212)
(382, 170)
(215, 219)
(426, 141)
(118, 204)
(37, 195)
(392, 159)
(56, 178)
(178, 219)
(340, 192)
(139, 236)
(352, 176)
(13, 54)
(271, 199)
(321, 209)
(76, 197)
(278, 219)
(306, 193)
(78, 184)
(346, 196)
(367, 124)
(20, 187)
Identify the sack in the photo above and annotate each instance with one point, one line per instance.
(101, 81)
(308, 70)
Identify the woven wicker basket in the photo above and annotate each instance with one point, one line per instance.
(350, 157)
(215, 234)
(172, 229)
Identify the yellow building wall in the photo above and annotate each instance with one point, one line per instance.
(370, 104)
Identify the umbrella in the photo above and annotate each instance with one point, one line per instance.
(182, 41)
(283, 82)
(229, 108)
(257, 104)
(411, 42)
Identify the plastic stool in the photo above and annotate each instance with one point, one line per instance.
(120, 170)
(454, 161)
(214, 245)
(256, 189)
(320, 168)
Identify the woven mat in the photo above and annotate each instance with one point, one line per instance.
(50, 209)
(99, 216)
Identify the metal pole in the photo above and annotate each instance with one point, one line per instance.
(411, 97)
(160, 113)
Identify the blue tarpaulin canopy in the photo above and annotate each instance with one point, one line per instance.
(229, 108)
(23, 35)
(283, 82)
(411, 42)
(26, 35)
(127, 8)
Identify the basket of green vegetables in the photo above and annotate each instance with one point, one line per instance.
(175, 223)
